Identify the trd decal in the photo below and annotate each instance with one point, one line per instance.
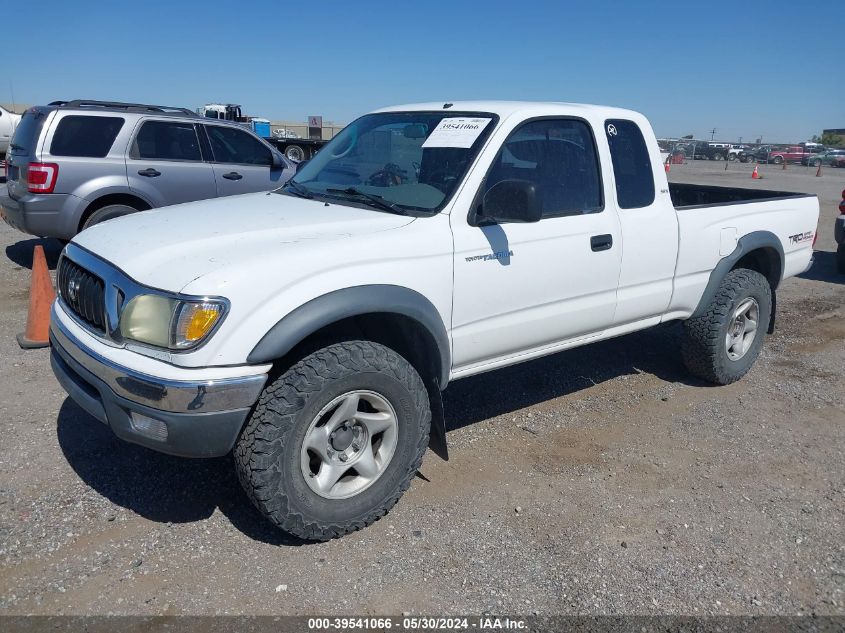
(800, 237)
(490, 256)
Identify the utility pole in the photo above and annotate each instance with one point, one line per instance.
(740, 140)
(712, 133)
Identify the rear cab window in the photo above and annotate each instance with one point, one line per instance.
(631, 164)
(85, 136)
(167, 140)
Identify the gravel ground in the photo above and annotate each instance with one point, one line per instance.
(602, 480)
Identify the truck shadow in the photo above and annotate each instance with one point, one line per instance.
(21, 252)
(158, 487)
(824, 269)
(653, 351)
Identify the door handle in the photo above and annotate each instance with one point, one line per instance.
(601, 242)
(149, 173)
(232, 175)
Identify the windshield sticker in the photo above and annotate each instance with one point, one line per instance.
(456, 132)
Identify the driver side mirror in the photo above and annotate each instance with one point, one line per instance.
(511, 201)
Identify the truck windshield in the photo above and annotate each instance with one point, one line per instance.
(413, 161)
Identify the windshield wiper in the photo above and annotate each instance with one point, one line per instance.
(298, 189)
(373, 199)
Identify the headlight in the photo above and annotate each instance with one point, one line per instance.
(169, 322)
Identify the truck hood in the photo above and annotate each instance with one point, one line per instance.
(168, 248)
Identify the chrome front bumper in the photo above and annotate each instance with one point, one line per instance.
(193, 418)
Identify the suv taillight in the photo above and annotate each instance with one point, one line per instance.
(41, 177)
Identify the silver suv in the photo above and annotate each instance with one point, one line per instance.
(72, 164)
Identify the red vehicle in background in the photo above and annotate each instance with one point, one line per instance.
(791, 154)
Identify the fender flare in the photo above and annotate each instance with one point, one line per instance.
(349, 302)
(746, 244)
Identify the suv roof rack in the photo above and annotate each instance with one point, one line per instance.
(119, 105)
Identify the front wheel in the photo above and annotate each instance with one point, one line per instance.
(335, 440)
(722, 344)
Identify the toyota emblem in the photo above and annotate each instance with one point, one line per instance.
(72, 289)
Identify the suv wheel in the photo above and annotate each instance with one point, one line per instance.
(107, 213)
(335, 440)
(722, 344)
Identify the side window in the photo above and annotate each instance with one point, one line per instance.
(631, 164)
(235, 146)
(86, 136)
(559, 157)
(167, 140)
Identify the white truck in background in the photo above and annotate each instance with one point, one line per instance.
(312, 329)
(8, 122)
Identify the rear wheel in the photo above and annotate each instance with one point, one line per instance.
(107, 213)
(335, 440)
(722, 344)
(778, 160)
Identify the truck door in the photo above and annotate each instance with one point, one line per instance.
(648, 220)
(524, 287)
(165, 164)
(242, 163)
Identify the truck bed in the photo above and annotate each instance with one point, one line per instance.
(688, 196)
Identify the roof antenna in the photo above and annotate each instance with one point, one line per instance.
(446, 106)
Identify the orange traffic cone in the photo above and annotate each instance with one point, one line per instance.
(755, 174)
(41, 296)
(819, 170)
(666, 165)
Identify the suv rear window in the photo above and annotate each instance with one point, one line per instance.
(27, 132)
(631, 164)
(168, 140)
(87, 136)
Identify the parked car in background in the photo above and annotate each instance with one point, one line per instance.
(8, 122)
(790, 154)
(736, 151)
(75, 164)
(831, 157)
(712, 151)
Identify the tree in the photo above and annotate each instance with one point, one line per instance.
(828, 139)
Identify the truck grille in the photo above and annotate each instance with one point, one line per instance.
(83, 292)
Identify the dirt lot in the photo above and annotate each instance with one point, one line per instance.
(600, 480)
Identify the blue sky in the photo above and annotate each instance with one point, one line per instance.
(749, 68)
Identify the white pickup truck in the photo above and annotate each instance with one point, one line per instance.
(311, 329)
(8, 122)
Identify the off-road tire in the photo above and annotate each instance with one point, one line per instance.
(840, 259)
(267, 453)
(703, 344)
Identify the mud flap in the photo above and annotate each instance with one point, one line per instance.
(437, 436)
